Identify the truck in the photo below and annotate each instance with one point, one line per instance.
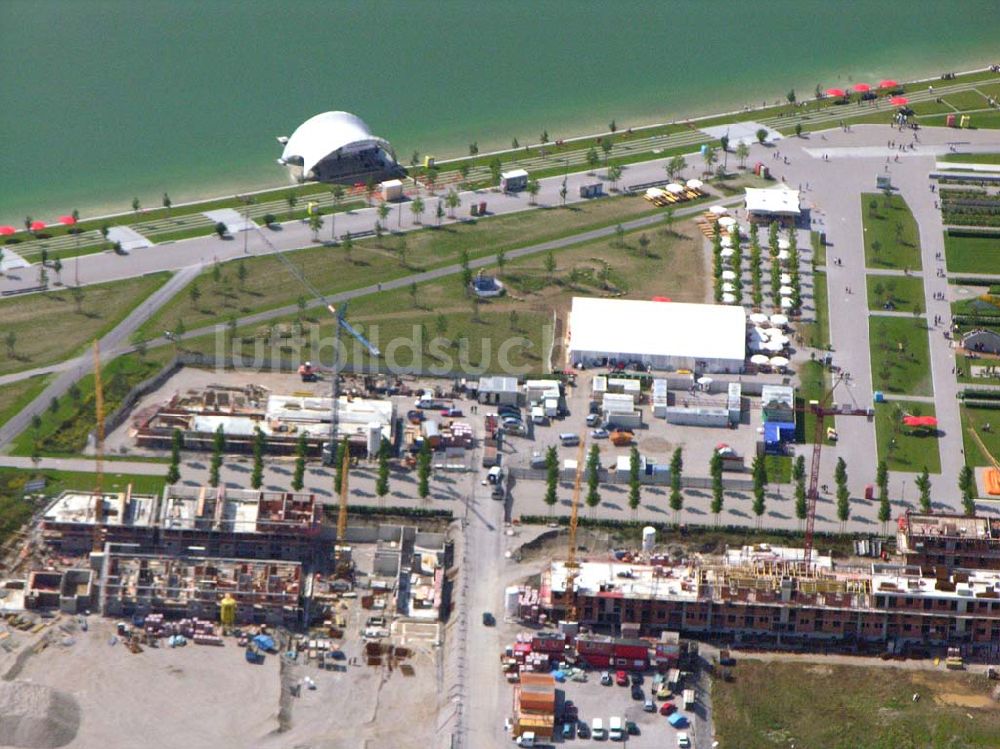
(490, 456)
(621, 438)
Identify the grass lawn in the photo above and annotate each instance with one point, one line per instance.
(779, 469)
(270, 284)
(63, 430)
(847, 707)
(972, 158)
(17, 395)
(900, 346)
(891, 236)
(817, 333)
(976, 418)
(814, 381)
(15, 508)
(819, 249)
(966, 100)
(967, 254)
(903, 291)
(903, 448)
(963, 369)
(59, 481)
(476, 338)
(980, 120)
(48, 327)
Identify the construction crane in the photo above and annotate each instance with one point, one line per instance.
(340, 565)
(98, 449)
(571, 563)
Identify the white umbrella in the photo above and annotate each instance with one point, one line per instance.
(779, 338)
(705, 381)
(783, 255)
(786, 303)
(727, 252)
(727, 221)
(654, 192)
(758, 317)
(774, 346)
(786, 278)
(785, 290)
(718, 210)
(778, 361)
(779, 320)
(783, 244)
(728, 275)
(728, 299)
(695, 184)
(674, 188)
(726, 241)
(726, 286)
(759, 359)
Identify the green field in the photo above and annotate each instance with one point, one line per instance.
(48, 328)
(972, 158)
(892, 239)
(816, 334)
(818, 706)
(967, 254)
(814, 382)
(903, 448)
(966, 100)
(978, 418)
(779, 469)
(59, 481)
(17, 395)
(269, 283)
(473, 335)
(900, 355)
(903, 292)
(979, 120)
(63, 428)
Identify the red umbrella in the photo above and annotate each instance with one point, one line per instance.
(37, 225)
(67, 220)
(861, 87)
(835, 92)
(888, 83)
(920, 421)
(7, 230)
(899, 101)
(661, 299)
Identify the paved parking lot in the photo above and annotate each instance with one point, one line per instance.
(596, 701)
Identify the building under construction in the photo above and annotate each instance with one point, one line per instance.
(264, 592)
(241, 411)
(215, 522)
(949, 541)
(763, 595)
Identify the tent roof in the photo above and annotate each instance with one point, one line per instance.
(327, 133)
(641, 328)
(779, 201)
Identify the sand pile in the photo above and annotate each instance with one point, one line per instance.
(36, 717)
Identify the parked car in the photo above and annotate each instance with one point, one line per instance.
(616, 730)
(667, 707)
(649, 706)
(636, 678)
(488, 619)
(606, 679)
(600, 434)
(582, 729)
(638, 694)
(569, 730)
(593, 420)
(631, 728)
(621, 679)
(683, 742)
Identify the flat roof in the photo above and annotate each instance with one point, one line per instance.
(618, 580)
(776, 200)
(951, 526)
(630, 326)
(117, 509)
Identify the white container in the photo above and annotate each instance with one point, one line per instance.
(648, 538)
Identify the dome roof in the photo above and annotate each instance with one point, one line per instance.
(326, 133)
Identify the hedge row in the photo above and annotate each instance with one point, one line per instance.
(975, 281)
(980, 394)
(987, 405)
(973, 233)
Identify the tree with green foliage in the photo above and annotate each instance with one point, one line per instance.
(634, 486)
(337, 192)
(718, 490)
(593, 478)
(218, 446)
(676, 495)
(709, 155)
(643, 242)
(453, 201)
(417, 209)
(563, 192)
(761, 135)
(614, 174)
(424, 470)
(798, 129)
(606, 146)
(967, 486)
(174, 471)
(463, 169)
(882, 481)
(495, 168)
(790, 96)
(136, 206)
(742, 153)
(533, 189)
(343, 448)
(593, 159)
(292, 199)
(759, 471)
(382, 477)
(923, 482)
(257, 473)
(299, 473)
(315, 223)
(799, 477)
(551, 477)
(439, 212)
(675, 166)
(550, 263)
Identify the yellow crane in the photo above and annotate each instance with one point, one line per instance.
(571, 563)
(98, 448)
(341, 565)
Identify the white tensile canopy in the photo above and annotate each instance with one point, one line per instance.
(786, 303)
(774, 346)
(759, 359)
(726, 286)
(695, 184)
(777, 319)
(719, 210)
(778, 361)
(674, 188)
(726, 241)
(728, 299)
(783, 255)
(728, 275)
(786, 290)
(757, 318)
(786, 278)
(727, 252)
(727, 221)
(784, 244)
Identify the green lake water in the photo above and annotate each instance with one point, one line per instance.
(103, 101)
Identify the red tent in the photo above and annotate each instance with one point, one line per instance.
(888, 83)
(37, 225)
(899, 101)
(67, 220)
(836, 92)
(7, 230)
(920, 421)
(861, 87)
(661, 299)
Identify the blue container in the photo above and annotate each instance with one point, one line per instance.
(879, 397)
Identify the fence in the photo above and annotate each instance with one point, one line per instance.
(117, 417)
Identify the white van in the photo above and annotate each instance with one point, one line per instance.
(597, 729)
(569, 439)
(538, 415)
(616, 731)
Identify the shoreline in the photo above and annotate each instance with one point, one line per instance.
(247, 187)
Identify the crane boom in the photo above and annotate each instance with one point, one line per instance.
(571, 563)
(342, 515)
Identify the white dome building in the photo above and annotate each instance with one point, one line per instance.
(337, 147)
